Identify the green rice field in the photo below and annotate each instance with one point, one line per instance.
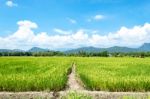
(33, 74)
(96, 73)
(115, 74)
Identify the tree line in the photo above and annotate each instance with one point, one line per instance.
(78, 54)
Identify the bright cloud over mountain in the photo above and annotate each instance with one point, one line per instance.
(25, 37)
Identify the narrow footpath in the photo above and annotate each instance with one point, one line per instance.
(73, 84)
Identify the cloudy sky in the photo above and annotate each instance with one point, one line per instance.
(65, 24)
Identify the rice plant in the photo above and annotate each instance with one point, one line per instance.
(115, 74)
(33, 73)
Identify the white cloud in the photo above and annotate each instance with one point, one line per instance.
(25, 38)
(24, 31)
(10, 3)
(73, 21)
(60, 31)
(98, 17)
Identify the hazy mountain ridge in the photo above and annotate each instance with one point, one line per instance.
(37, 49)
(34, 49)
(144, 48)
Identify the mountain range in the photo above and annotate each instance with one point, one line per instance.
(37, 49)
(144, 48)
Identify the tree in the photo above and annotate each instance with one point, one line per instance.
(104, 54)
(142, 54)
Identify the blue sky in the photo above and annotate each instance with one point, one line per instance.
(65, 18)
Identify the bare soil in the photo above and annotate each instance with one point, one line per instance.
(73, 84)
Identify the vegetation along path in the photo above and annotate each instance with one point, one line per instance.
(75, 90)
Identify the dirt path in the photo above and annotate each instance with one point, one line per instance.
(73, 84)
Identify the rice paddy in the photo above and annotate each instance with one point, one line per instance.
(51, 73)
(33, 74)
(115, 74)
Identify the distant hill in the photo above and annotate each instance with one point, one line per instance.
(34, 49)
(94, 49)
(37, 49)
(8, 50)
(144, 48)
(18, 50)
(5, 50)
(87, 49)
(120, 49)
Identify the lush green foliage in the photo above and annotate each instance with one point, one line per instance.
(78, 54)
(46, 53)
(33, 74)
(50, 73)
(115, 74)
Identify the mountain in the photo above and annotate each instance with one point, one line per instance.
(5, 50)
(94, 49)
(18, 50)
(120, 49)
(144, 48)
(9, 50)
(86, 49)
(37, 49)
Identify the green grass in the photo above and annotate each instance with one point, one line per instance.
(75, 95)
(50, 73)
(33, 74)
(115, 74)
